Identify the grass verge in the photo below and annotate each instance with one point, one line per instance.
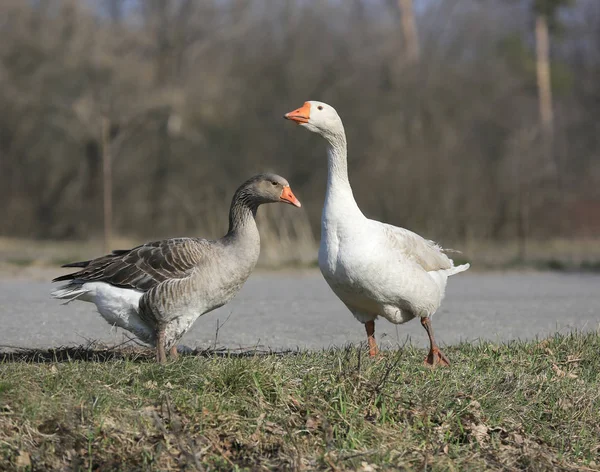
(519, 406)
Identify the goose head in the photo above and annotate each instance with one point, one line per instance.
(317, 117)
(268, 188)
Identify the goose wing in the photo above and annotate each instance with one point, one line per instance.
(145, 266)
(427, 254)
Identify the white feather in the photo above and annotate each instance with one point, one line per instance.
(118, 306)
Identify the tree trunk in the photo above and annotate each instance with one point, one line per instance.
(107, 183)
(409, 30)
(542, 43)
(163, 44)
(522, 225)
(91, 208)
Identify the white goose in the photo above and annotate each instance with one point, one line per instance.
(376, 269)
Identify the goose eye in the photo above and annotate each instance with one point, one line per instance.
(319, 107)
(274, 183)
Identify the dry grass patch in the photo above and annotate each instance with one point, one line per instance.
(520, 406)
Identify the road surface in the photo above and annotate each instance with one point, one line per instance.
(298, 310)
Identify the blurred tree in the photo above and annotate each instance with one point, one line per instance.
(409, 30)
(196, 91)
(546, 19)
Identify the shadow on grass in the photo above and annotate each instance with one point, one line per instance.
(97, 352)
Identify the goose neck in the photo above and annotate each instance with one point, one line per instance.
(337, 162)
(242, 213)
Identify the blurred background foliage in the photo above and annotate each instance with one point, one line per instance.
(440, 100)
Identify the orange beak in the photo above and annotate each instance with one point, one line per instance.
(300, 115)
(287, 196)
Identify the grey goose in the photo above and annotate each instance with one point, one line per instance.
(157, 290)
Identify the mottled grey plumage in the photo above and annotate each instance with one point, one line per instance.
(142, 267)
(157, 290)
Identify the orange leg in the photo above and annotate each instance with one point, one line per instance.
(436, 356)
(373, 349)
(173, 352)
(161, 356)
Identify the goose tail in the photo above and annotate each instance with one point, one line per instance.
(69, 292)
(457, 269)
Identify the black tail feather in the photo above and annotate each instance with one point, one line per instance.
(77, 264)
(84, 264)
(116, 252)
(62, 278)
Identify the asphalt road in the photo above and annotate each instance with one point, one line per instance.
(298, 310)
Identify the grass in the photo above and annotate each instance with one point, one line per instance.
(519, 406)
